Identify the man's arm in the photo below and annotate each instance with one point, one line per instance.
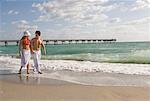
(43, 46)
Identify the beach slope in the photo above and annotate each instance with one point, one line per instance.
(10, 91)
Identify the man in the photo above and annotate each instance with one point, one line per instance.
(36, 45)
(24, 51)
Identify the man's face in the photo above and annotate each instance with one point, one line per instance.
(36, 35)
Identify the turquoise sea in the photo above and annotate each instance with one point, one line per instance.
(117, 52)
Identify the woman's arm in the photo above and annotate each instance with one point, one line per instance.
(31, 46)
(20, 47)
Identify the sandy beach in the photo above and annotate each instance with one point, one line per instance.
(10, 91)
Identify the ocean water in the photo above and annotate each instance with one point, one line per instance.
(117, 52)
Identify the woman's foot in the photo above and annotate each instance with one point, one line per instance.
(19, 72)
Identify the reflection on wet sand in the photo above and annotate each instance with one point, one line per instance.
(28, 79)
(23, 78)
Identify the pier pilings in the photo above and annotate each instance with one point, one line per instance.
(65, 41)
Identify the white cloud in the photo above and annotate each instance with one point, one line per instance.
(13, 12)
(115, 20)
(73, 10)
(84, 16)
(44, 17)
(134, 30)
(145, 20)
(102, 1)
(141, 4)
(10, 12)
(23, 25)
(20, 22)
(33, 11)
(88, 19)
(16, 12)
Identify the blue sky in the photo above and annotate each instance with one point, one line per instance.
(125, 20)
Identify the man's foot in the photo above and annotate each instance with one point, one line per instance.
(40, 72)
(34, 70)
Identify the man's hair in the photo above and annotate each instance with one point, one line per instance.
(38, 32)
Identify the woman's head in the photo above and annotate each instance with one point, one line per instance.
(27, 34)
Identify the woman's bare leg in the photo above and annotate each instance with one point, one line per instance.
(20, 70)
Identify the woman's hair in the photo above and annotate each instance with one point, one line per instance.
(23, 37)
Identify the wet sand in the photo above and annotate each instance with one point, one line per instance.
(57, 90)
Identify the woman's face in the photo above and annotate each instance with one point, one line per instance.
(27, 37)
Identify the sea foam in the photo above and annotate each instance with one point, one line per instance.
(80, 66)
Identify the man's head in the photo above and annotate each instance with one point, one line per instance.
(37, 33)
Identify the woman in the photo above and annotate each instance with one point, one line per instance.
(24, 50)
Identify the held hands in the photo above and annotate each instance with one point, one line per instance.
(19, 54)
(32, 52)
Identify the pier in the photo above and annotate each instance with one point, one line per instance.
(65, 41)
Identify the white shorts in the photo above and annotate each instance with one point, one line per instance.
(25, 57)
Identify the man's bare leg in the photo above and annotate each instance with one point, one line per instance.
(27, 68)
(20, 70)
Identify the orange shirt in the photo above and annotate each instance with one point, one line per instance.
(26, 41)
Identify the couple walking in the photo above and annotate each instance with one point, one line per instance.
(27, 47)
